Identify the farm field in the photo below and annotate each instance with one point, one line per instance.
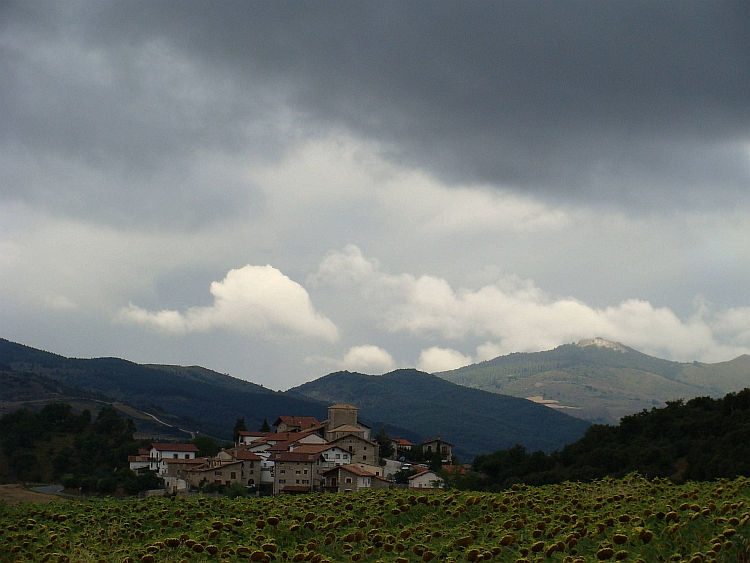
(632, 519)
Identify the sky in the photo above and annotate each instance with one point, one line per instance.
(280, 190)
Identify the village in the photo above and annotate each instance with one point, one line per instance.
(302, 455)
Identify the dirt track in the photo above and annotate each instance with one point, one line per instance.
(13, 494)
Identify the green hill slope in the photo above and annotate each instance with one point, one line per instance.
(474, 421)
(601, 381)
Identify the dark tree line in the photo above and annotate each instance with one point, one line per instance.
(698, 440)
(56, 444)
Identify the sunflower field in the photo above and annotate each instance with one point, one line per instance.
(631, 519)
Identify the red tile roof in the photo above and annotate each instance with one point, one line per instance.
(294, 456)
(243, 455)
(303, 422)
(401, 442)
(351, 469)
(159, 447)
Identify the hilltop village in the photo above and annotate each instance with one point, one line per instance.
(302, 455)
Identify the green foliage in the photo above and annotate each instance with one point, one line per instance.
(265, 427)
(91, 456)
(234, 490)
(401, 477)
(239, 426)
(702, 439)
(206, 446)
(384, 443)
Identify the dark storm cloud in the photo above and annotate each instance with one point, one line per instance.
(631, 102)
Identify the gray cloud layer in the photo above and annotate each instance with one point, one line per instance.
(598, 152)
(641, 103)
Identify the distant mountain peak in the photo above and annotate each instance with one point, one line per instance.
(601, 343)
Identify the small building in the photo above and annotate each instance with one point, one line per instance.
(177, 471)
(400, 447)
(350, 478)
(332, 454)
(296, 472)
(361, 450)
(143, 461)
(161, 452)
(445, 449)
(425, 479)
(251, 469)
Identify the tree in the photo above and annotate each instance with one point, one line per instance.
(384, 443)
(206, 446)
(239, 426)
(265, 426)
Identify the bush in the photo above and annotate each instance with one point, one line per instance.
(235, 490)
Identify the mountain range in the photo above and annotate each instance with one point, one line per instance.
(601, 381)
(410, 404)
(593, 380)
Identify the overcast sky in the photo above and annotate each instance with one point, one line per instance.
(278, 190)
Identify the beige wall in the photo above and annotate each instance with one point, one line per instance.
(362, 451)
(340, 417)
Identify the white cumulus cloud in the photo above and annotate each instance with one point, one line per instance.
(435, 359)
(253, 299)
(514, 315)
(365, 358)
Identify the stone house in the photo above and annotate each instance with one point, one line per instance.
(350, 478)
(296, 472)
(361, 450)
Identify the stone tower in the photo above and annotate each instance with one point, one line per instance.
(341, 415)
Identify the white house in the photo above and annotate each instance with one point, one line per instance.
(425, 479)
(160, 452)
(332, 454)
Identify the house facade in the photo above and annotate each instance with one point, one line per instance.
(445, 449)
(296, 472)
(361, 450)
(349, 478)
(425, 479)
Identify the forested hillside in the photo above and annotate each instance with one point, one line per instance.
(58, 445)
(205, 401)
(701, 439)
(474, 421)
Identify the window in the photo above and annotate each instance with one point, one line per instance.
(348, 479)
(305, 471)
(364, 458)
(232, 475)
(282, 471)
(174, 456)
(305, 482)
(187, 456)
(351, 449)
(217, 472)
(297, 482)
(338, 456)
(282, 481)
(298, 472)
